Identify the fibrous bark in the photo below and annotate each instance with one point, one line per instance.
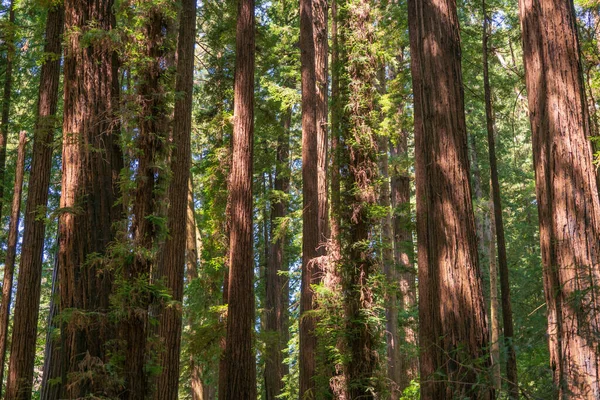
(6, 96)
(239, 359)
(310, 202)
(453, 333)
(11, 252)
(567, 194)
(172, 263)
(27, 298)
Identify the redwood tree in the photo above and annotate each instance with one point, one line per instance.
(27, 300)
(310, 201)
(239, 358)
(453, 333)
(172, 263)
(10, 39)
(11, 252)
(567, 194)
(92, 162)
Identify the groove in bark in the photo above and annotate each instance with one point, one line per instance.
(453, 333)
(567, 194)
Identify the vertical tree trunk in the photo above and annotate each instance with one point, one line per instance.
(6, 97)
(52, 357)
(173, 259)
(567, 194)
(310, 202)
(11, 252)
(92, 162)
(498, 223)
(321, 40)
(27, 299)
(240, 364)
(407, 363)
(494, 307)
(359, 197)
(199, 389)
(275, 304)
(453, 333)
(148, 198)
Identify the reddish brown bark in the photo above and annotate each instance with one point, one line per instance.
(453, 333)
(27, 299)
(91, 165)
(567, 194)
(240, 364)
(6, 97)
(276, 285)
(172, 265)
(11, 252)
(310, 202)
(498, 223)
(321, 46)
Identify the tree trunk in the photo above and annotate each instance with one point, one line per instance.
(240, 364)
(494, 307)
(360, 196)
(567, 194)
(11, 252)
(148, 199)
(321, 45)
(27, 299)
(6, 97)
(92, 162)
(310, 202)
(52, 358)
(172, 267)
(453, 333)
(407, 362)
(498, 223)
(275, 284)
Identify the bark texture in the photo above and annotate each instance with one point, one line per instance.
(276, 285)
(310, 202)
(567, 194)
(240, 363)
(11, 252)
(27, 299)
(172, 265)
(92, 162)
(453, 333)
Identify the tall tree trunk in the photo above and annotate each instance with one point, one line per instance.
(359, 197)
(406, 368)
(494, 307)
(27, 299)
(200, 390)
(11, 252)
(498, 223)
(52, 358)
(567, 194)
(321, 40)
(310, 202)
(92, 162)
(453, 333)
(172, 266)
(275, 283)
(240, 364)
(148, 199)
(6, 97)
